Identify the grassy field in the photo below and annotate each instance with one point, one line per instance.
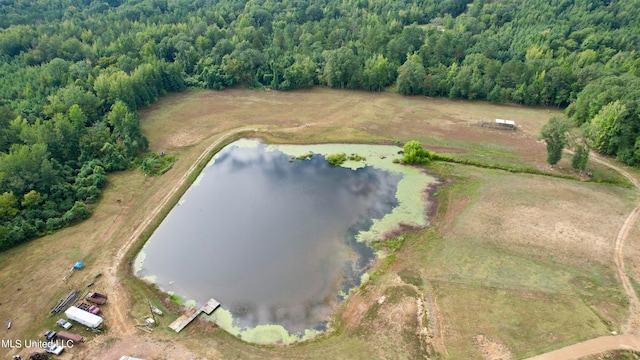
(521, 263)
(513, 264)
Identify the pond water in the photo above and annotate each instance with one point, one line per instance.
(275, 241)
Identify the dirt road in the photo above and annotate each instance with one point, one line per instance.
(121, 327)
(592, 347)
(633, 323)
(631, 329)
(120, 322)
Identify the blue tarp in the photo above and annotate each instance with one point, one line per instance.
(78, 265)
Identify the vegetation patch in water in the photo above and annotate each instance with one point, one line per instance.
(356, 157)
(336, 159)
(305, 156)
(411, 207)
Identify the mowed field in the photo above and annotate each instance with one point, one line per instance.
(513, 264)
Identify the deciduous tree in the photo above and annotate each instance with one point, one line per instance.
(554, 134)
(411, 76)
(342, 68)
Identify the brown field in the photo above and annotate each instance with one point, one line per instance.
(514, 264)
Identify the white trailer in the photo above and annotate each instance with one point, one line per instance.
(84, 317)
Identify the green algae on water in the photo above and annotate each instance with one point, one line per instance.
(261, 334)
(411, 207)
(139, 261)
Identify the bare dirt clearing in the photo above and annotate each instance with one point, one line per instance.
(523, 280)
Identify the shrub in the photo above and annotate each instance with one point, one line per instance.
(54, 223)
(414, 154)
(393, 244)
(356, 157)
(305, 156)
(336, 159)
(78, 212)
(154, 164)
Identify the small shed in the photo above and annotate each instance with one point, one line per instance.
(506, 124)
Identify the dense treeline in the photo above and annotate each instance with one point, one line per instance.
(73, 73)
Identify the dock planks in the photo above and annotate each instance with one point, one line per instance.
(209, 306)
(191, 314)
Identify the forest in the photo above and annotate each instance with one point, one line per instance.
(74, 72)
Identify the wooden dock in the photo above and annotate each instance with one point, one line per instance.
(191, 314)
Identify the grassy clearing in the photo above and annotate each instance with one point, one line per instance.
(520, 320)
(323, 115)
(501, 269)
(517, 258)
(520, 212)
(31, 275)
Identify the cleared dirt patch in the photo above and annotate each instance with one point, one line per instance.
(492, 350)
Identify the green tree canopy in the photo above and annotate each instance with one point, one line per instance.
(342, 68)
(414, 154)
(580, 157)
(411, 76)
(554, 134)
(378, 73)
(603, 128)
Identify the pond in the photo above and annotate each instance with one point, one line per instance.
(280, 241)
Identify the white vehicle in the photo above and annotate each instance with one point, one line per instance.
(54, 349)
(64, 324)
(83, 317)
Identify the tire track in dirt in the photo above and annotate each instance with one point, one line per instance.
(631, 339)
(439, 325)
(633, 321)
(634, 305)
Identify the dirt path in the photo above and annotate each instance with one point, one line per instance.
(633, 323)
(119, 321)
(593, 347)
(631, 329)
